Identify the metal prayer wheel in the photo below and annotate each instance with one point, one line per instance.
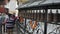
(29, 16)
(39, 15)
(32, 15)
(50, 17)
(56, 16)
(42, 16)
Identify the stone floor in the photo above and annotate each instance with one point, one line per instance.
(14, 31)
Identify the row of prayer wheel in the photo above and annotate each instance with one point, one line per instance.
(31, 23)
(51, 17)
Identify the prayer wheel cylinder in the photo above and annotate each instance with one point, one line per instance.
(56, 17)
(42, 17)
(38, 17)
(50, 17)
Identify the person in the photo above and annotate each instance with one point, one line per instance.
(0, 23)
(4, 18)
(10, 24)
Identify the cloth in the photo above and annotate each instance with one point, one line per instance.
(10, 23)
(4, 18)
(0, 24)
(0, 19)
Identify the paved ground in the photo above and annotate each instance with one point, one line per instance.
(13, 31)
(50, 28)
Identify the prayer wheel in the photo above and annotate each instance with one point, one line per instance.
(56, 16)
(42, 16)
(39, 15)
(50, 17)
(34, 16)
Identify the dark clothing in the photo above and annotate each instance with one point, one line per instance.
(0, 24)
(0, 28)
(10, 23)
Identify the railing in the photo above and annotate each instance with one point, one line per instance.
(45, 16)
(22, 29)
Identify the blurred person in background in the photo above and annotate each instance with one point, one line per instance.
(4, 19)
(0, 23)
(10, 24)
